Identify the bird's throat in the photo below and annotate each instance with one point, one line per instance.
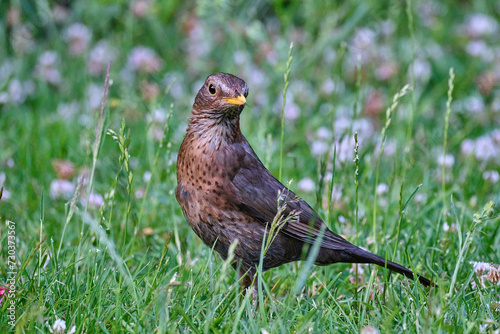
(215, 132)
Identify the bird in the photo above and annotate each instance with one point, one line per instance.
(228, 196)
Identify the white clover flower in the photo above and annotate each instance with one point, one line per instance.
(478, 25)
(241, 57)
(345, 149)
(369, 330)
(96, 200)
(486, 148)
(157, 116)
(363, 46)
(59, 327)
(327, 86)
(292, 111)
(474, 104)
(78, 38)
(68, 110)
(257, 78)
(319, 148)
(61, 189)
(139, 193)
(17, 94)
(341, 124)
(382, 188)
(386, 70)
(448, 160)
(140, 7)
(364, 38)
(390, 147)
(47, 67)
(146, 176)
(324, 133)
(99, 56)
(448, 228)
(337, 196)
(479, 48)
(480, 267)
(306, 185)
(492, 176)
(144, 59)
(364, 128)
(420, 198)
(94, 96)
(361, 268)
(468, 147)
(198, 45)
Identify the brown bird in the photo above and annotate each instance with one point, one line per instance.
(227, 195)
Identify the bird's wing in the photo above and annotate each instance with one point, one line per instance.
(256, 193)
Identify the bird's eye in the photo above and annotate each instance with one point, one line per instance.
(211, 89)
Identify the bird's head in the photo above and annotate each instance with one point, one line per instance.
(223, 95)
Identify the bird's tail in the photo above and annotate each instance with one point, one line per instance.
(358, 255)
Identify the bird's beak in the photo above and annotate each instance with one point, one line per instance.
(237, 101)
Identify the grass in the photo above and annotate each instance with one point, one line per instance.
(132, 264)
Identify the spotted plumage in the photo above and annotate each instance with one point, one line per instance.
(227, 195)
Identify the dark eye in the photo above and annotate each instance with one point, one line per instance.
(211, 89)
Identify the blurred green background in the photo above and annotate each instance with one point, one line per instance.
(349, 59)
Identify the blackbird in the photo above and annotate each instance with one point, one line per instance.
(227, 195)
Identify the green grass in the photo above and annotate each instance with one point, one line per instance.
(133, 264)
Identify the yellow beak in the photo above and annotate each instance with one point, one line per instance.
(238, 101)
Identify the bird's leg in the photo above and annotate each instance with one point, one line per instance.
(246, 278)
(248, 284)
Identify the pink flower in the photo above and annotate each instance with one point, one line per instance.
(99, 57)
(306, 185)
(143, 59)
(386, 70)
(448, 160)
(61, 189)
(47, 67)
(78, 38)
(3, 291)
(292, 110)
(140, 7)
(492, 176)
(95, 200)
(479, 25)
(382, 188)
(60, 14)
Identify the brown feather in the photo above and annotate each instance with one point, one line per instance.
(227, 195)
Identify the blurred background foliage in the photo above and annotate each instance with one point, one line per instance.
(349, 59)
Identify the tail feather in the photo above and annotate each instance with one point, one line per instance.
(359, 255)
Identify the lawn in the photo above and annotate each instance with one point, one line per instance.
(390, 130)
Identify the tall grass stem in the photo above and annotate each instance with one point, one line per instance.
(287, 73)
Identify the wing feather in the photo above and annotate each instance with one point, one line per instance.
(256, 192)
